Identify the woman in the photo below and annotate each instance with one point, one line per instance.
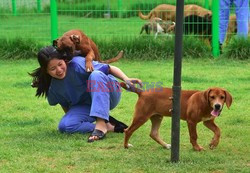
(84, 97)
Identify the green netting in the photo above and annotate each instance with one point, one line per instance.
(102, 19)
(21, 19)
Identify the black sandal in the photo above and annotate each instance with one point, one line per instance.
(119, 126)
(98, 133)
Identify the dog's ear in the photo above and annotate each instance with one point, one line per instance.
(206, 94)
(75, 39)
(55, 43)
(229, 98)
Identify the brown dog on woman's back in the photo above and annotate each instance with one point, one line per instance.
(196, 106)
(75, 40)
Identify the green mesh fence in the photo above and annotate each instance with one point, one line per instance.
(22, 18)
(102, 19)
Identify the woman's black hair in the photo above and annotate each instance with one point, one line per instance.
(41, 79)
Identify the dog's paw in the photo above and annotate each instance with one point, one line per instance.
(167, 146)
(212, 146)
(89, 66)
(198, 148)
(128, 146)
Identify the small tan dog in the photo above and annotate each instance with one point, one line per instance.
(168, 12)
(157, 26)
(196, 106)
(76, 40)
(164, 11)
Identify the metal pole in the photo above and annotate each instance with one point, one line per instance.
(120, 8)
(108, 15)
(14, 7)
(215, 28)
(175, 135)
(54, 20)
(206, 5)
(39, 6)
(109, 7)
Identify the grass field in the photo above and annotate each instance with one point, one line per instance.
(38, 27)
(30, 142)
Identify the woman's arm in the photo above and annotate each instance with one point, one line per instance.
(115, 71)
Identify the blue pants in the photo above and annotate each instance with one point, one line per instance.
(81, 118)
(242, 12)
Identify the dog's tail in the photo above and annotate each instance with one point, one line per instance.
(144, 17)
(119, 56)
(131, 88)
(171, 28)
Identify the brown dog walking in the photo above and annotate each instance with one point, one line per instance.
(168, 12)
(196, 106)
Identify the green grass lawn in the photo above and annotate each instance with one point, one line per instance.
(30, 142)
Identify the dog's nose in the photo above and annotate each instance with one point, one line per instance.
(217, 106)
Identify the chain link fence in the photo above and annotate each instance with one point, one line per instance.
(97, 18)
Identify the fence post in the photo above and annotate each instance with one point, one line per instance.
(14, 7)
(39, 6)
(176, 89)
(206, 4)
(54, 20)
(120, 8)
(215, 28)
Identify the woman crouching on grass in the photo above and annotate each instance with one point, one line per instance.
(84, 97)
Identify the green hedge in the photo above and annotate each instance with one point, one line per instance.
(146, 48)
(18, 48)
(238, 48)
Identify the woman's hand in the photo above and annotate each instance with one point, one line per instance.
(131, 81)
(119, 74)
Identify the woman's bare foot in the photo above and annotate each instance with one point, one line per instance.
(100, 130)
